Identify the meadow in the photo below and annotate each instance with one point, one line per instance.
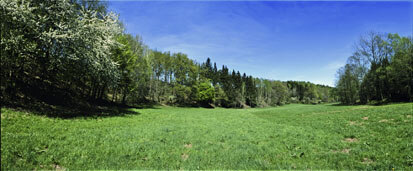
(294, 136)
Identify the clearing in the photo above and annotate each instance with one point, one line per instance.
(289, 137)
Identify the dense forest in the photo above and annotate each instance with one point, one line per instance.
(68, 52)
(379, 71)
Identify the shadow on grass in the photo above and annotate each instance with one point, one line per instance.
(203, 106)
(80, 109)
(372, 103)
(145, 105)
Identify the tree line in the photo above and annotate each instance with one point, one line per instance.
(66, 51)
(379, 71)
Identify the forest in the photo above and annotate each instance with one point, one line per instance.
(71, 52)
(379, 71)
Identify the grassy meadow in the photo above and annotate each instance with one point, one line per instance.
(293, 136)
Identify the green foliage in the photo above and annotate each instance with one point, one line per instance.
(306, 92)
(220, 97)
(376, 71)
(77, 49)
(206, 94)
(296, 136)
(182, 94)
(126, 61)
(250, 92)
(347, 86)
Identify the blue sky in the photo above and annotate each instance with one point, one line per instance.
(276, 40)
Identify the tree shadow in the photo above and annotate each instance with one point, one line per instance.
(203, 106)
(145, 105)
(80, 109)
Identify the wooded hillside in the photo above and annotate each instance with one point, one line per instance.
(64, 51)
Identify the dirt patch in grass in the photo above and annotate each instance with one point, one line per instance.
(355, 123)
(351, 140)
(386, 120)
(57, 167)
(346, 150)
(367, 161)
(188, 145)
(365, 118)
(184, 156)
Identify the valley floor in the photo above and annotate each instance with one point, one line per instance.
(293, 136)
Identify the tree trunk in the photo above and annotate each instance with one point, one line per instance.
(114, 95)
(124, 98)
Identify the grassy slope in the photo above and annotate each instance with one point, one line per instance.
(289, 137)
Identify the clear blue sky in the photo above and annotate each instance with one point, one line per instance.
(305, 41)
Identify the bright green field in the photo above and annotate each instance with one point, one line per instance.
(289, 137)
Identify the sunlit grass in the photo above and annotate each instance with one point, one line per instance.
(288, 137)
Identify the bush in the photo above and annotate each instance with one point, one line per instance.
(206, 94)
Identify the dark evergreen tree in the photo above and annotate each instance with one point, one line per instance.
(215, 75)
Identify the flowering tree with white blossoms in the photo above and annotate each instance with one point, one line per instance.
(58, 43)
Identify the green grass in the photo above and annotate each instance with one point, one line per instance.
(289, 137)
